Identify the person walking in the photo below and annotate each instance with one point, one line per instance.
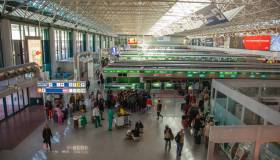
(87, 84)
(159, 107)
(96, 115)
(168, 137)
(110, 118)
(101, 107)
(180, 142)
(47, 135)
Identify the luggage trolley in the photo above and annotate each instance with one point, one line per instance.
(122, 121)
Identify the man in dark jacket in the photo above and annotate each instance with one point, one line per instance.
(101, 107)
(47, 135)
(159, 107)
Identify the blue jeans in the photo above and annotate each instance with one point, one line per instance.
(179, 148)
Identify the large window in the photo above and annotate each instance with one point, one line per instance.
(97, 42)
(62, 44)
(81, 41)
(91, 42)
(19, 33)
(2, 113)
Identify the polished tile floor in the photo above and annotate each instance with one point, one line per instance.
(100, 144)
(16, 128)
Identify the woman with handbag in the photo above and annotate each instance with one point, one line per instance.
(168, 137)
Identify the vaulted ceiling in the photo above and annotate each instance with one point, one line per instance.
(123, 16)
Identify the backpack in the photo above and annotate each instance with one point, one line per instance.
(177, 138)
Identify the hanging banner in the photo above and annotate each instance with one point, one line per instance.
(34, 48)
(211, 15)
(257, 42)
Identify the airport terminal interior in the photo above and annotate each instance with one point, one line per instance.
(139, 80)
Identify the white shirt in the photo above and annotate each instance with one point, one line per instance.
(95, 111)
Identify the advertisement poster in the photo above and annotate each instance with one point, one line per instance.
(275, 43)
(211, 15)
(34, 47)
(132, 41)
(261, 43)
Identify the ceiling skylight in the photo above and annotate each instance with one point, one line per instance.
(178, 17)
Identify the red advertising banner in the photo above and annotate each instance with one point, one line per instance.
(257, 42)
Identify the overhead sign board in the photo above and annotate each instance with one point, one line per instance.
(61, 87)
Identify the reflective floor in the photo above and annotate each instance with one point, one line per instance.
(100, 144)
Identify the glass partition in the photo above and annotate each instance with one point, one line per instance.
(234, 108)
(250, 118)
(62, 44)
(221, 99)
(270, 91)
(249, 91)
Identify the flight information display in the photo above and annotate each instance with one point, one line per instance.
(61, 87)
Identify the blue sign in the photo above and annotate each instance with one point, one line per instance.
(114, 51)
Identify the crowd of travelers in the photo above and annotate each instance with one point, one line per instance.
(195, 119)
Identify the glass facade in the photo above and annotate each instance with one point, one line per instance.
(19, 34)
(92, 42)
(63, 44)
(81, 41)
